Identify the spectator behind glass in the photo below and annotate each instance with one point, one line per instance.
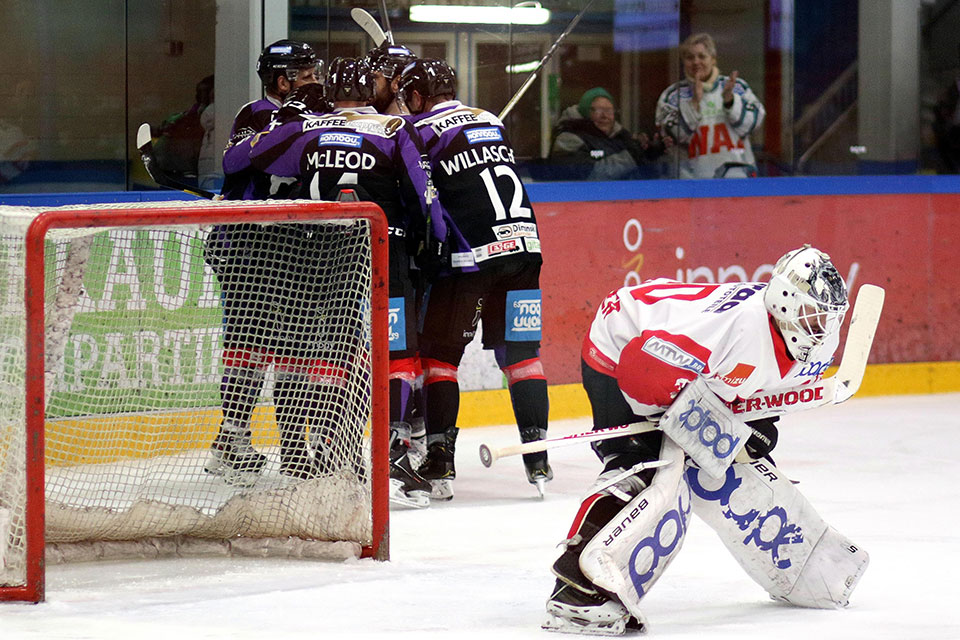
(712, 115)
(590, 144)
(181, 136)
(208, 158)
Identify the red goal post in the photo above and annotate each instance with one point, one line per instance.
(125, 443)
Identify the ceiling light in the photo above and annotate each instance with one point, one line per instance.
(523, 13)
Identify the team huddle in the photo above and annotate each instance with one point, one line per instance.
(464, 248)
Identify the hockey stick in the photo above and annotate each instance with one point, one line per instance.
(833, 390)
(145, 146)
(386, 21)
(366, 22)
(490, 455)
(533, 75)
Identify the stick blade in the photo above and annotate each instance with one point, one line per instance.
(143, 135)
(856, 351)
(366, 22)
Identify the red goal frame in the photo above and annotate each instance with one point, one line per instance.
(90, 217)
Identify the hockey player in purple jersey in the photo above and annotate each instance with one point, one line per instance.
(493, 274)
(283, 66)
(239, 254)
(387, 61)
(380, 158)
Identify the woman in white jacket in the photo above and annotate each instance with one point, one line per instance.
(710, 115)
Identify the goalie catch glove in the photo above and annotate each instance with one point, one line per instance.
(763, 439)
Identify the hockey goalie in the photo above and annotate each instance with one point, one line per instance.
(680, 354)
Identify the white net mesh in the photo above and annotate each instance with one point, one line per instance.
(201, 382)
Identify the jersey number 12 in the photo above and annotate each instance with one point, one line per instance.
(516, 202)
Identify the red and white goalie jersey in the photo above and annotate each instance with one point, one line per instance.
(656, 336)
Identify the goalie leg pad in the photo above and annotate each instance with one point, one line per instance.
(631, 551)
(777, 536)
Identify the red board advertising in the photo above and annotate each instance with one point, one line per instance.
(906, 243)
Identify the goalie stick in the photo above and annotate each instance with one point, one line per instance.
(145, 146)
(533, 74)
(366, 22)
(833, 390)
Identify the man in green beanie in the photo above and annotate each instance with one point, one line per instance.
(590, 144)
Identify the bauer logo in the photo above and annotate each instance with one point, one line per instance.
(673, 355)
(341, 139)
(487, 134)
(523, 315)
(396, 319)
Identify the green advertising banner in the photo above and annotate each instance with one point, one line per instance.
(145, 328)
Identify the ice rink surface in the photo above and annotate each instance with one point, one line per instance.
(881, 470)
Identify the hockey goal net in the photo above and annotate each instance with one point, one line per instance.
(136, 337)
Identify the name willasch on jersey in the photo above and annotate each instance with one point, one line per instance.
(474, 156)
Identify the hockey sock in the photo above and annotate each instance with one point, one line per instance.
(531, 406)
(441, 393)
(239, 392)
(293, 403)
(403, 373)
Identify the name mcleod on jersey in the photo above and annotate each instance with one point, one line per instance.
(340, 159)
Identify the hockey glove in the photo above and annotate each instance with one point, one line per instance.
(303, 100)
(433, 256)
(764, 437)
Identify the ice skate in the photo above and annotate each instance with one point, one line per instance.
(300, 465)
(233, 457)
(407, 488)
(438, 469)
(538, 469)
(570, 610)
(539, 474)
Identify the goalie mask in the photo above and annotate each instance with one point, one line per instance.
(287, 58)
(807, 299)
(350, 80)
(429, 78)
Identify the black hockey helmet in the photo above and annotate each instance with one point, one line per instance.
(287, 58)
(429, 78)
(390, 59)
(349, 79)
